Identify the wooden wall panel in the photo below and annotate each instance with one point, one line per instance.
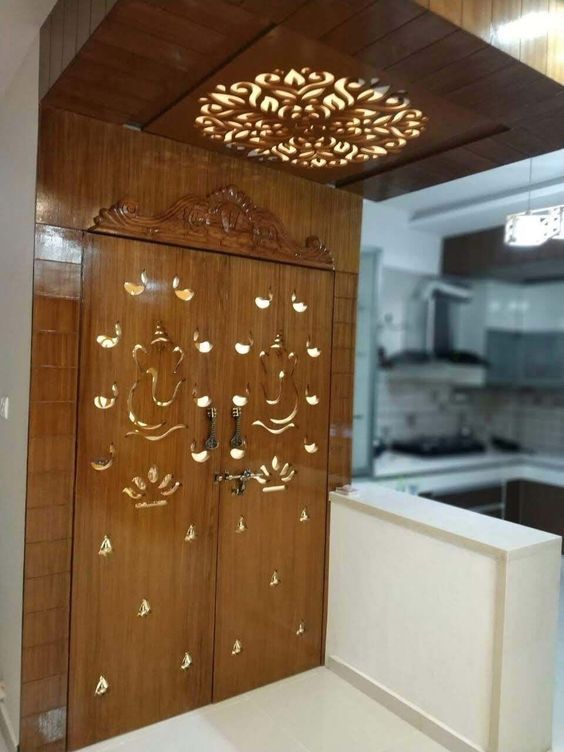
(555, 45)
(534, 52)
(450, 9)
(121, 162)
(67, 28)
(489, 19)
(52, 422)
(506, 12)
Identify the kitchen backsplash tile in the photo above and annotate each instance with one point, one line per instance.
(408, 409)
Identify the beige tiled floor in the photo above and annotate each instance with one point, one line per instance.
(313, 712)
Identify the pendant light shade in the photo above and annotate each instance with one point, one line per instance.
(534, 227)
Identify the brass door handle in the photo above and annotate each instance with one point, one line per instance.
(211, 441)
(237, 440)
(242, 479)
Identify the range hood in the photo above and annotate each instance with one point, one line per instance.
(438, 360)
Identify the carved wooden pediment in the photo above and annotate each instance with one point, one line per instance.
(224, 220)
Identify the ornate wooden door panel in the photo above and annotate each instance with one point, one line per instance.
(146, 506)
(272, 537)
(169, 336)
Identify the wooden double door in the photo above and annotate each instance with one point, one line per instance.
(191, 584)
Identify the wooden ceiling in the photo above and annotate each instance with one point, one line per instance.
(146, 62)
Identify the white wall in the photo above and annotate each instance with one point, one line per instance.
(20, 21)
(18, 149)
(402, 247)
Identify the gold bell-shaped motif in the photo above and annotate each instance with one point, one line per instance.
(275, 579)
(191, 534)
(186, 662)
(106, 547)
(144, 608)
(304, 516)
(237, 648)
(241, 525)
(301, 629)
(102, 686)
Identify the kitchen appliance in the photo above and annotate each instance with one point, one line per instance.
(435, 357)
(439, 446)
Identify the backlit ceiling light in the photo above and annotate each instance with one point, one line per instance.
(310, 118)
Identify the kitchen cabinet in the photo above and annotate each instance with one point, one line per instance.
(486, 499)
(525, 359)
(505, 306)
(504, 353)
(519, 328)
(542, 359)
(543, 307)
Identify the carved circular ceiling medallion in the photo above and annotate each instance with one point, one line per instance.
(310, 118)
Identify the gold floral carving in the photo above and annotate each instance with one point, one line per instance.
(310, 119)
(225, 218)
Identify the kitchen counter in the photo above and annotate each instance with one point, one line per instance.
(420, 475)
(434, 611)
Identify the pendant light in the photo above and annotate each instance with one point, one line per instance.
(534, 227)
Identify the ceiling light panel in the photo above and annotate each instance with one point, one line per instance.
(308, 118)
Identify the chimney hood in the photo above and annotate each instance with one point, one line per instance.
(438, 295)
(438, 360)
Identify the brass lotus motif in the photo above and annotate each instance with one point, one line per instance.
(277, 478)
(141, 490)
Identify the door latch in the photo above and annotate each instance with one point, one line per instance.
(241, 480)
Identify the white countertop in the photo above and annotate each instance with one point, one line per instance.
(393, 464)
(492, 535)
(419, 475)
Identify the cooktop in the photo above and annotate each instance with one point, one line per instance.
(439, 446)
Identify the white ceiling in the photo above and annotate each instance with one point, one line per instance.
(481, 201)
(20, 21)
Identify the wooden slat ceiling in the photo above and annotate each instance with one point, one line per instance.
(147, 61)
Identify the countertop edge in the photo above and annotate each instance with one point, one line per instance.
(444, 531)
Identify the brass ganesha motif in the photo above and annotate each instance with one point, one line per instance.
(279, 388)
(149, 398)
